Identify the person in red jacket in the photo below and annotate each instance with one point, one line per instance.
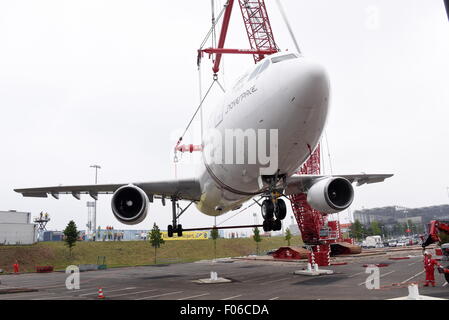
(429, 267)
(16, 267)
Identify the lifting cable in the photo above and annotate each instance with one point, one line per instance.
(194, 115)
(212, 29)
(247, 207)
(215, 79)
(328, 152)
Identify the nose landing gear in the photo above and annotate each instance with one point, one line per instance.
(274, 211)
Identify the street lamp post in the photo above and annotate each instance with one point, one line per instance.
(94, 216)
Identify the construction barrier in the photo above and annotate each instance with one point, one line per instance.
(344, 247)
(338, 263)
(44, 269)
(380, 265)
(88, 267)
(294, 253)
(187, 235)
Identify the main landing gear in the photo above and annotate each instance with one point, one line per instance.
(274, 211)
(175, 227)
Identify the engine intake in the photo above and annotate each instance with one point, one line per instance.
(331, 195)
(130, 204)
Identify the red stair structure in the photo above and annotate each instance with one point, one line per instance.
(316, 230)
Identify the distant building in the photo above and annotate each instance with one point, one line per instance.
(16, 228)
(52, 236)
(392, 215)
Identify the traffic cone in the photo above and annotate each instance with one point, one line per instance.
(100, 293)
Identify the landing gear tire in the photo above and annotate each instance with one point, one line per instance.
(170, 231)
(281, 211)
(266, 225)
(277, 225)
(179, 230)
(267, 209)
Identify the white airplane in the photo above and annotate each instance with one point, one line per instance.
(281, 103)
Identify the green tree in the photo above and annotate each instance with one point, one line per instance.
(257, 238)
(356, 230)
(156, 240)
(214, 235)
(288, 236)
(375, 228)
(71, 235)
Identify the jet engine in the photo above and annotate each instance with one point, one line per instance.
(331, 195)
(130, 204)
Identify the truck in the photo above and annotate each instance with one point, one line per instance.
(372, 242)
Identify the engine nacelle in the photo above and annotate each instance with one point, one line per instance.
(331, 195)
(130, 204)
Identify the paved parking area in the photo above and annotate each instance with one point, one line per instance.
(251, 280)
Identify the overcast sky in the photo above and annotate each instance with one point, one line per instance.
(112, 82)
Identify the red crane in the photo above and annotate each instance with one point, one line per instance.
(436, 227)
(258, 29)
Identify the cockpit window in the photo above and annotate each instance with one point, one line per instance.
(240, 81)
(259, 69)
(255, 72)
(264, 66)
(284, 57)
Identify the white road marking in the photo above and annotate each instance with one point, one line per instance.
(62, 296)
(198, 295)
(53, 298)
(12, 296)
(444, 284)
(411, 264)
(130, 293)
(259, 278)
(275, 298)
(413, 276)
(229, 298)
(265, 282)
(356, 274)
(104, 292)
(160, 295)
(383, 275)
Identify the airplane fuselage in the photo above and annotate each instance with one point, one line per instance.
(284, 98)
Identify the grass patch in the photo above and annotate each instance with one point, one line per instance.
(130, 253)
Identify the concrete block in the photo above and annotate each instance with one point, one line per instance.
(88, 267)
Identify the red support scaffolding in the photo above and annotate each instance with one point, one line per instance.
(309, 221)
(315, 229)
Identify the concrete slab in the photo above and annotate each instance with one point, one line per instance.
(212, 281)
(413, 294)
(245, 280)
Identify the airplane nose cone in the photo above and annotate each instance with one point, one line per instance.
(311, 82)
(305, 111)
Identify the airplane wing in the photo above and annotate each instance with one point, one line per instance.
(187, 189)
(301, 183)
